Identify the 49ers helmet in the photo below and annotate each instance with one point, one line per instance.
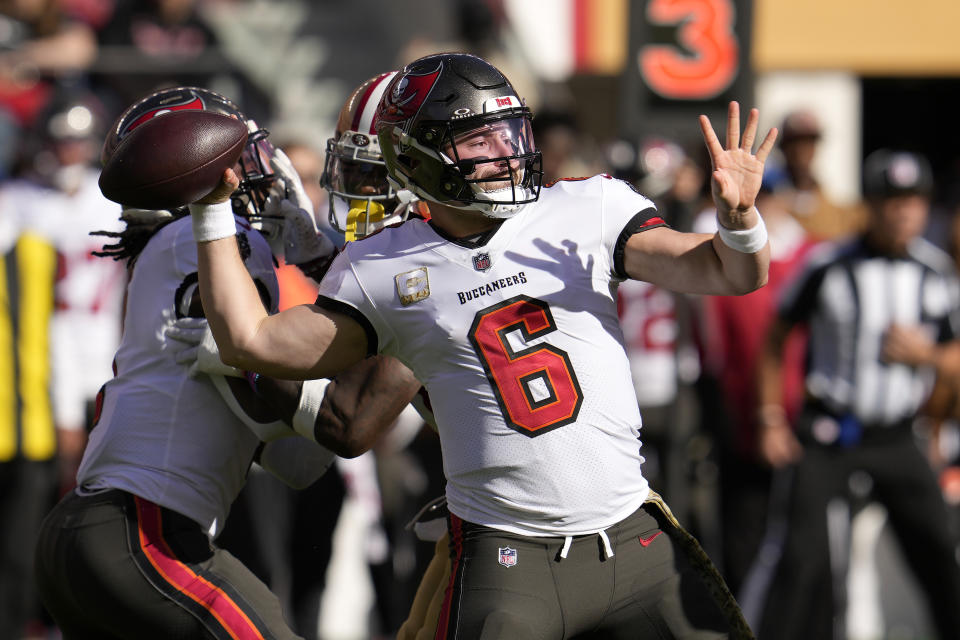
(433, 102)
(362, 200)
(255, 173)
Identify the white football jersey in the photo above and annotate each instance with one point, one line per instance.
(163, 435)
(519, 346)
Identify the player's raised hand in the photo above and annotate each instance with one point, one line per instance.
(737, 170)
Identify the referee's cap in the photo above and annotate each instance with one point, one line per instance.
(888, 173)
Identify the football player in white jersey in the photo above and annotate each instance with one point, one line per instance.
(130, 552)
(361, 201)
(503, 306)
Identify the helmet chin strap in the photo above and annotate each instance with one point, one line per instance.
(502, 211)
(487, 209)
(363, 213)
(490, 206)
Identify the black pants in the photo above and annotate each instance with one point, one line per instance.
(112, 566)
(800, 603)
(657, 584)
(744, 501)
(27, 491)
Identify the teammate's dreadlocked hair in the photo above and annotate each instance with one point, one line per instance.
(141, 226)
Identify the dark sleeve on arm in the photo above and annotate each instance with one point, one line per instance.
(646, 219)
(336, 306)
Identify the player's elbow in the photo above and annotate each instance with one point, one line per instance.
(235, 357)
(750, 285)
(359, 437)
(342, 434)
(762, 280)
(353, 448)
(239, 353)
(345, 444)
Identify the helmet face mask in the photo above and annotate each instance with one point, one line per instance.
(453, 131)
(496, 160)
(257, 176)
(355, 176)
(254, 168)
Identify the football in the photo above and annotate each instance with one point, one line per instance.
(172, 159)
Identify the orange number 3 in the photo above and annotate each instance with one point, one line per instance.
(536, 387)
(706, 31)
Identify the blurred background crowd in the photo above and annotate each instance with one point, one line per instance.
(615, 86)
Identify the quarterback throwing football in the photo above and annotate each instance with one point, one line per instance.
(503, 305)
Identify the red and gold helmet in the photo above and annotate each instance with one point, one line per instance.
(361, 198)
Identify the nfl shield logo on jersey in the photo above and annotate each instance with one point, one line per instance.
(481, 261)
(508, 556)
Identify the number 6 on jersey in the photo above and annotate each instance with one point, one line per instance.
(536, 387)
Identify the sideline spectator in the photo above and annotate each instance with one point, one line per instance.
(805, 199)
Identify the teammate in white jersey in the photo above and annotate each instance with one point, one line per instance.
(130, 553)
(503, 306)
(361, 201)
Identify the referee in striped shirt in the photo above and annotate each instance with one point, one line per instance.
(883, 318)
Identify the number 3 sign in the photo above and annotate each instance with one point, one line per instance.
(708, 62)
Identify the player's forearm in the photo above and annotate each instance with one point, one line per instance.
(743, 248)
(231, 302)
(362, 404)
(742, 272)
(331, 420)
(349, 414)
(282, 396)
(693, 263)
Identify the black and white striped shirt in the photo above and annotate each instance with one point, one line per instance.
(848, 296)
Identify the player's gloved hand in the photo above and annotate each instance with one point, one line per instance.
(298, 241)
(288, 184)
(270, 225)
(196, 347)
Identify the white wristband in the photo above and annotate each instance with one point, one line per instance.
(311, 397)
(212, 221)
(744, 240)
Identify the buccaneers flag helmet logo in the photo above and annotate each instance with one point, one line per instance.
(407, 96)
